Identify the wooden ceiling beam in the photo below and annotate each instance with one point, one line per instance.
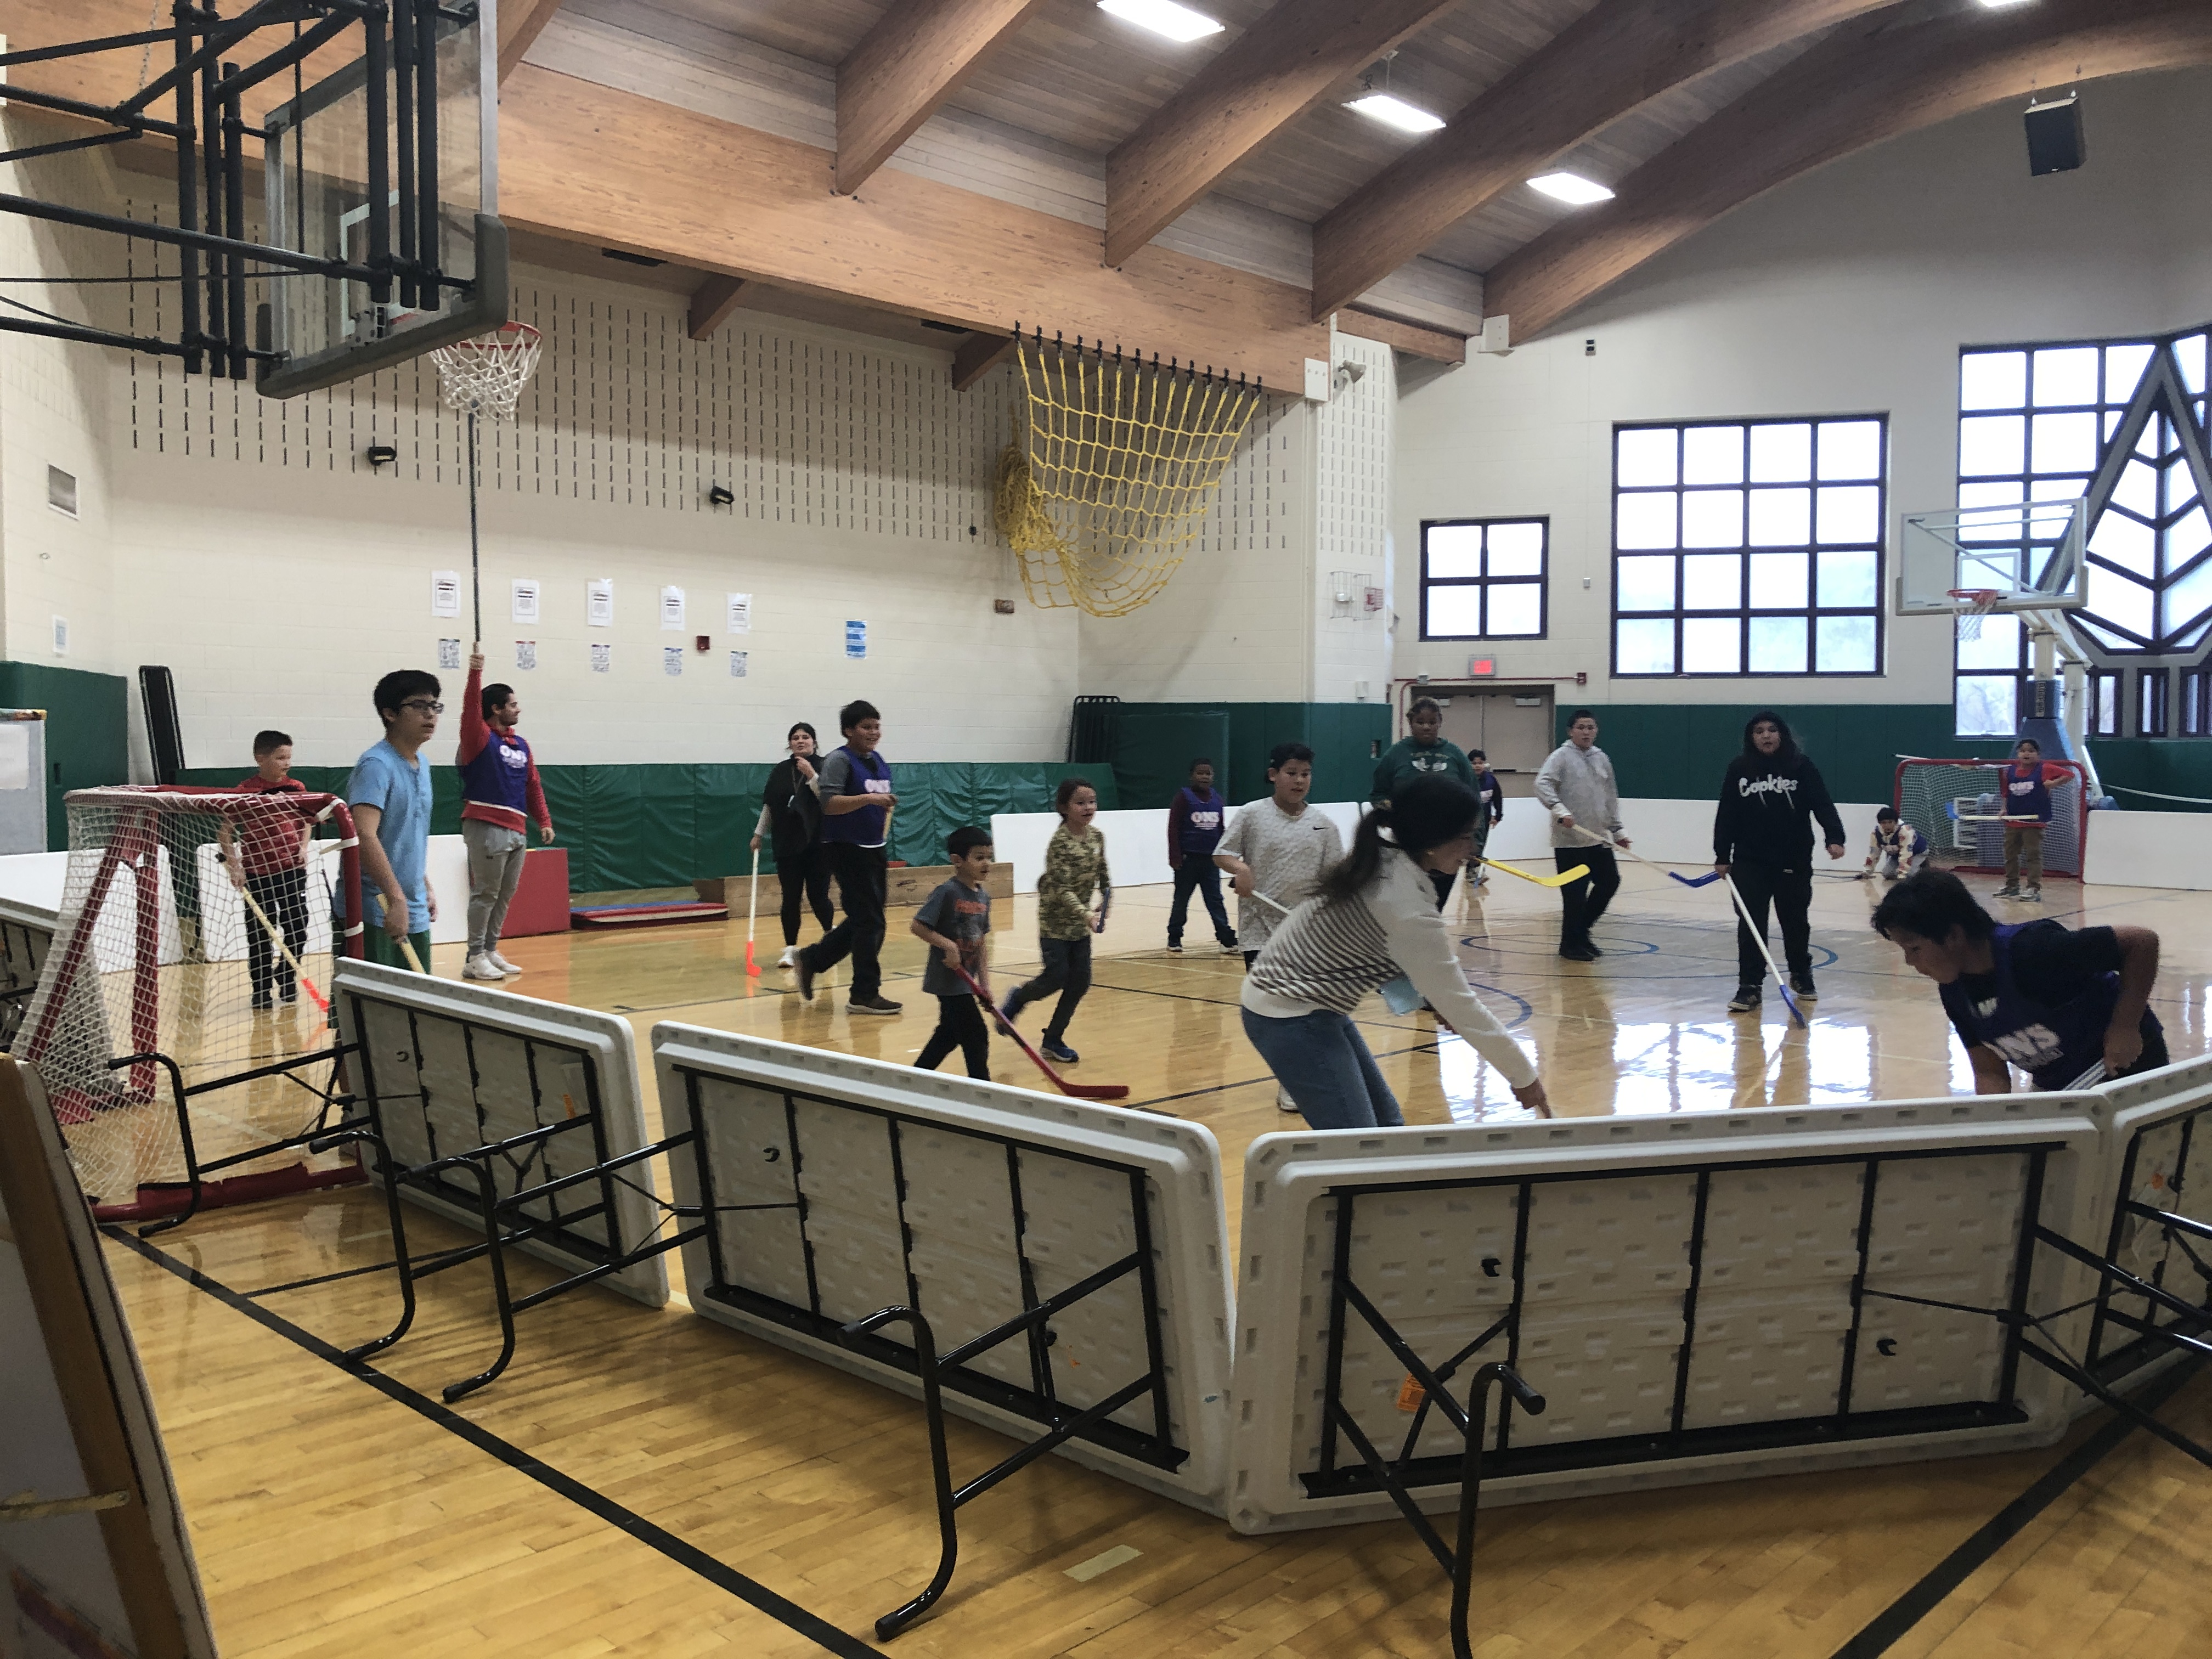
(712, 302)
(905, 68)
(1277, 71)
(589, 164)
(1871, 81)
(1616, 56)
(520, 23)
(1415, 341)
(977, 355)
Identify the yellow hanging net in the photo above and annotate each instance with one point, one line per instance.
(1113, 472)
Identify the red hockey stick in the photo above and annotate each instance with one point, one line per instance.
(1080, 1091)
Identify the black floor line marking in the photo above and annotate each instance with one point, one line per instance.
(786, 1612)
(1888, 1626)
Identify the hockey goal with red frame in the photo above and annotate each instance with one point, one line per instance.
(170, 1025)
(1958, 805)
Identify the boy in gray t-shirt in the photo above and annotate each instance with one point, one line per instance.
(1278, 848)
(954, 920)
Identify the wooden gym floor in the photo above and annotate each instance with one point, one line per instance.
(646, 1482)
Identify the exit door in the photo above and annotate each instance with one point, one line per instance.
(1513, 728)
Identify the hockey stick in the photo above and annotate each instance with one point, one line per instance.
(1559, 880)
(1760, 940)
(1080, 1091)
(752, 915)
(1619, 851)
(407, 951)
(278, 939)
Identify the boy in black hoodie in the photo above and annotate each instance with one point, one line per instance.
(1763, 841)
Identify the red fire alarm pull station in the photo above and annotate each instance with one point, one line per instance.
(701, 642)
(1481, 667)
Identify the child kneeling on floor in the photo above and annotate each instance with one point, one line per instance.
(954, 920)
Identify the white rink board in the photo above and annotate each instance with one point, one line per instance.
(820, 1166)
(1610, 1249)
(454, 1066)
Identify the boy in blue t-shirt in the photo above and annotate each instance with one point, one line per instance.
(1196, 817)
(954, 920)
(389, 794)
(1492, 798)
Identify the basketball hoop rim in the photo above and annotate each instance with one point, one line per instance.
(1975, 601)
(508, 336)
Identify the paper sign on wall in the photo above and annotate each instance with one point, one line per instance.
(525, 599)
(61, 637)
(603, 659)
(444, 592)
(671, 659)
(14, 754)
(526, 653)
(738, 665)
(671, 610)
(741, 613)
(856, 639)
(599, 602)
(449, 653)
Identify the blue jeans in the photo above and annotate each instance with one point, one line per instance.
(1320, 1058)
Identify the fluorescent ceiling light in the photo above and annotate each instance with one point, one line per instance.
(1164, 17)
(1394, 111)
(1571, 188)
(1994, 4)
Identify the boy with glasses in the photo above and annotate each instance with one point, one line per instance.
(390, 795)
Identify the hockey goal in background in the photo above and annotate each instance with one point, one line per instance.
(1957, 805)
(161, 1025)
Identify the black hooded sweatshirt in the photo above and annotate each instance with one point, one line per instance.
(1768, 803)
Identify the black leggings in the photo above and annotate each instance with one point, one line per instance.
(959, 1025)
(1581, 902)
(1066, 970)
(1790, 892)
(805, 874)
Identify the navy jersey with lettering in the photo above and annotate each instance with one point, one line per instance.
(1195, 821)
(2047, 1003)
(2027, 789)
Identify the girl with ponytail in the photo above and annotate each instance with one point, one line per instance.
(1374, 921)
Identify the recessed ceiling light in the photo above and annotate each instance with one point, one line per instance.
(1178, 23)
(1571, 188)
(1994, 4)
(1394, 111)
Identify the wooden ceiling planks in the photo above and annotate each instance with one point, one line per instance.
(586, 163)
(1870, 82)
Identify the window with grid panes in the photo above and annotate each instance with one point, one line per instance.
(1484, 578)
(1749, 547)
(2103, 720)
(2042, 423)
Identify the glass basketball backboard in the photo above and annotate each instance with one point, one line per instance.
(2030, 554)
(390, 165)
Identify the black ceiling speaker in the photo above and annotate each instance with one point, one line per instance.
(2055, 143)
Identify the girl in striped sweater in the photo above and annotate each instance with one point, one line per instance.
(1374, 921)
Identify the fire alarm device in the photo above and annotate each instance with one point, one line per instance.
(701, 642)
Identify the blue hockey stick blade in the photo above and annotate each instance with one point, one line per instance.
(1790, 1003)
(1710, 877)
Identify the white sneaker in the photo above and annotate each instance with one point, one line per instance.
(501, 963)
(1283, 1101)
(481, 966)
(789, 958)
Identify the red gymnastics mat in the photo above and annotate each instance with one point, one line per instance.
(646, 915)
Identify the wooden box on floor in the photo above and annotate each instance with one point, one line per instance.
(907, 884)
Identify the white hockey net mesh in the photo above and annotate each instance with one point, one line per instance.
(156, 948)
(1955, 804)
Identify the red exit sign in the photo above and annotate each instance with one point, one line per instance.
(1480, 667)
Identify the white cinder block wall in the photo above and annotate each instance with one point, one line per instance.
(1848, 291)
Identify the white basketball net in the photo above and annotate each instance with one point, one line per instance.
(486, 375)
(1974, 603)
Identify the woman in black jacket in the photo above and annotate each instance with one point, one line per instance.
(790, 816)
(1763, 840)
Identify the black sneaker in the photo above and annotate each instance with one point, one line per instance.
(1059, 1053)
(875, 1005)
(1577, 953)
(1174, 947)
(1802, 987)
(1746, 1000)
(802, 970)
(1593, 950)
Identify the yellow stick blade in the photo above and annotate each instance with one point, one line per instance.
(1559, 880)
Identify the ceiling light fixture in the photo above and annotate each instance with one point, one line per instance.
(1179, 23)
(1571, 188)
(1392, 111)
(1994, 4)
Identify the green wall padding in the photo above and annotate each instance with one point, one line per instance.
(88, 731)
(2164, 766)
(1153, 748)
(666, 825)
(1344, 737)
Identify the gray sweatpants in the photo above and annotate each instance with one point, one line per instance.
(495, 870)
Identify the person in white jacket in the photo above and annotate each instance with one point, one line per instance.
(1576, 786)
(1374, 921)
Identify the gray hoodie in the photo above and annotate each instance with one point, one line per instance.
(1579, 781)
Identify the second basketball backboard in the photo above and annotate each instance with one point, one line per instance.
(2032, 555)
